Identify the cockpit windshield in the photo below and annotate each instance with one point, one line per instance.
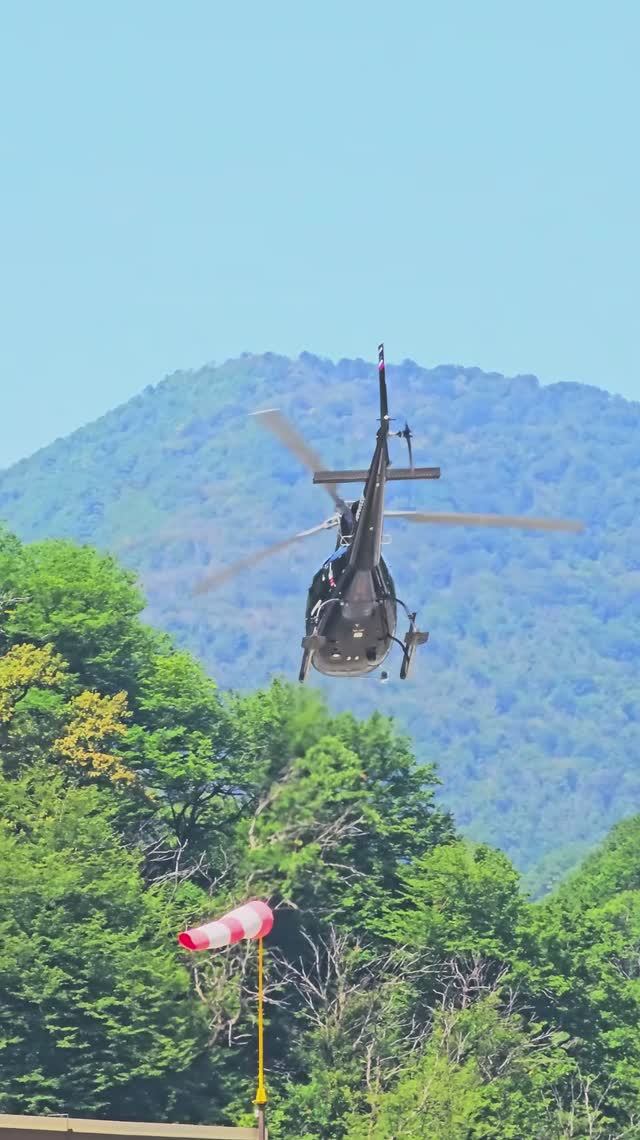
(325, 580)
(337, 554)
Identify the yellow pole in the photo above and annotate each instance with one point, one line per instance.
(261, 1092)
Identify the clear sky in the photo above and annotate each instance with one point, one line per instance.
(184, 181)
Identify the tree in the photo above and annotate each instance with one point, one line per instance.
(23, 667)
(96, 1016)
(580, 968)
(484, 1075)
(333, 834)
(80, 602)
(95, 723)
(42, 716)
(459, 898)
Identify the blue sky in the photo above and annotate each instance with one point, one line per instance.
(182, 182)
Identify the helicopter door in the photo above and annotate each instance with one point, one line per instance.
(318, 592)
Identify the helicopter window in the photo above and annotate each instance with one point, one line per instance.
(324, 581)
(387, 579)
(319, 587)
(337, 555)
(319, 591)
(336, 563)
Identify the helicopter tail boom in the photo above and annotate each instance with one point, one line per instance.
(392, 474)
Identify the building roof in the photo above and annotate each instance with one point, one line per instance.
(89, 1129)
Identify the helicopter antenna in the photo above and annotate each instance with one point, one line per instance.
(384, 407)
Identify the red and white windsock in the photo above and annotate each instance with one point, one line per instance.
(253, 920)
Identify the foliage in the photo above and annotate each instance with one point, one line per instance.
(484, 1074)
(82, 603)
(95, 720)
(22, 667)
(335, 831)
(413, 990)
(460, 898)
(96, 1016)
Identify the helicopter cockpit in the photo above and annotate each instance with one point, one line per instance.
(325, 581)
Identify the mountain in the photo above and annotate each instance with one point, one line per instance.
(527, 696)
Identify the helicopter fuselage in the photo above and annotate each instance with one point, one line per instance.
(351, 614)
(354, 615)
(351, 607)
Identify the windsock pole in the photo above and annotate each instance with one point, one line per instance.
(261, 1092)
(252, 920)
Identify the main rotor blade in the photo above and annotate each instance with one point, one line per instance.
(219, 577)
(456, 519)
(291, 438)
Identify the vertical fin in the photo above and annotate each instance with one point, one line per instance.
(384, 409)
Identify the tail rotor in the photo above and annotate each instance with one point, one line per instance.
(407, 434)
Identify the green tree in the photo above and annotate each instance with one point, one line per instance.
(334, 833)
(80, 602)
(582, 972)
(96, 1015)
(484, 1075)
(459, 898)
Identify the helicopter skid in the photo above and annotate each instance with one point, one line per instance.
(310, 644)
(304, 666)
(413, 638)
(313, 641)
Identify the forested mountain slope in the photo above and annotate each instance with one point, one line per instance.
(527, 695)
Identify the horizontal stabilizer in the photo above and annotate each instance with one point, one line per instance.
(393, 473)
(524, 522)
(413, 473)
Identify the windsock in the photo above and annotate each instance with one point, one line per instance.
(253, 920)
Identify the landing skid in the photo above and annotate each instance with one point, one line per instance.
(412, 639)
(309, 644)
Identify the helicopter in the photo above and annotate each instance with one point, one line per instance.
(352, 606)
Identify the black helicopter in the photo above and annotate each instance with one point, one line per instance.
(351, 613)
